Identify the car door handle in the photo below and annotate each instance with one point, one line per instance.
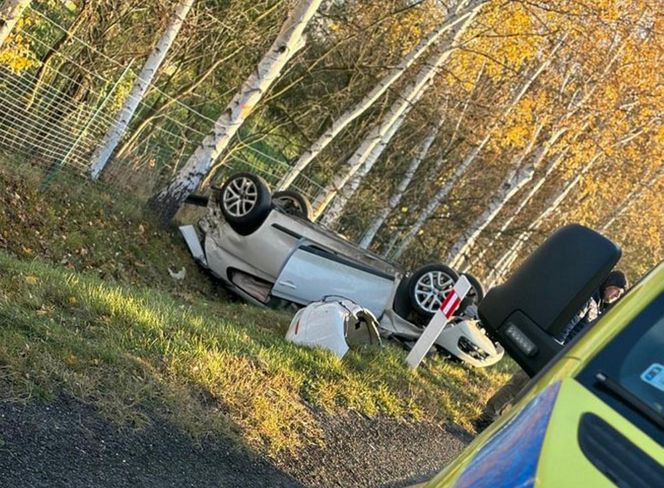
(288, 284)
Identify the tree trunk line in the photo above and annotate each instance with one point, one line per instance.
(407, 98)
(460, 170)
(512, 184)
(141, 85)
(288, 42)
(459, 15)
(396, 197)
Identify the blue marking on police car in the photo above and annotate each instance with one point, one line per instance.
(510, 457)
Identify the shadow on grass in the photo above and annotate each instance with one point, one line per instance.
(140, 356)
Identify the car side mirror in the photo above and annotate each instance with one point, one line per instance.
(540, 298)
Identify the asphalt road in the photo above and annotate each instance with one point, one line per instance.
(65, 443)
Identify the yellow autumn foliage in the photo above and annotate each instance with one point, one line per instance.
(404, 33)
(16, 53)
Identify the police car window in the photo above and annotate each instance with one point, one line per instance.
(642, 370)
(628, 374)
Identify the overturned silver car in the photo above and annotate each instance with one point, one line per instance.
(264, 248)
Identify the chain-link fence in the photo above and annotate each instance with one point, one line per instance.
(57, 109)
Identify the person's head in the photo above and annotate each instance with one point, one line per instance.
(614, 286)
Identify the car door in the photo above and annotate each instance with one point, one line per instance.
(312, 273)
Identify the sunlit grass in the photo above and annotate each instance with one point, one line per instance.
(210, 367)
(87, 307)
(89, 228)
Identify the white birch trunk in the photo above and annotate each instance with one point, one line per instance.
(522, 204)
(290, 40)
(457, 126)
(622, 208)
(390, 245)
(10, 12)
(512, 184)
(526, 200)
(407, 98)
(396, 197)
(336, 208)
(572, 107)
(141, 85)
(335, 211)
(631, 197)
(342, 122)
(460, 170)
(433, 204)
(554, 203)
(505, 262)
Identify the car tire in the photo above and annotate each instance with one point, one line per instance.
(293, 203)
(245, 202)
(428, 286)
(474, 296)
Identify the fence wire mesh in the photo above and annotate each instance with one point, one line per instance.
(56, 111)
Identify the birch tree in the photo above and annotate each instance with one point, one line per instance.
(461, 168)
(407, 98)
(405, 182)
(459, 15)
(637, 225)
(454, 138)
(633, 195)
(534, 189)
(511, 255)
(335, 210)
(141, 85)
(290, 39)
(521, 206)
(552, 206)
(396, 197)
(513, 183)
(10, 12)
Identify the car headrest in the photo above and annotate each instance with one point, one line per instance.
(554, 282)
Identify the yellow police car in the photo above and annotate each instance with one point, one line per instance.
(593, 412)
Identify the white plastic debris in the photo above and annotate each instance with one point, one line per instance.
(332, 325)
(179, 275)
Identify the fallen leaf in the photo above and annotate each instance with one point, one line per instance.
(31, 280)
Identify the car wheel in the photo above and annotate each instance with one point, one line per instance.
(474, 296)
(428, 287)
(293, 203)
(245, 202)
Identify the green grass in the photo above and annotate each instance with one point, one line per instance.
(87, 228)
(110, 327)
(209, 366)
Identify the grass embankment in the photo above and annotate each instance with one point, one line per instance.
(87, 228)
(141, 353)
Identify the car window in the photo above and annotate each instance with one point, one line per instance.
(628, 373)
